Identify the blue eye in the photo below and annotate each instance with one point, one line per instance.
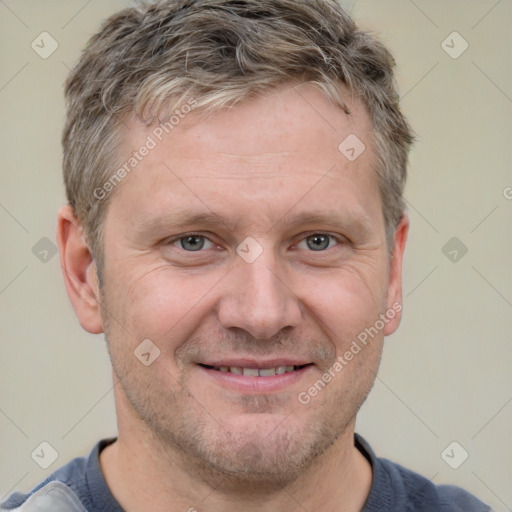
(193, 242)
(319, 242)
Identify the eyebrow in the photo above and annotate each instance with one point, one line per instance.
(182, 218)
(347, 220)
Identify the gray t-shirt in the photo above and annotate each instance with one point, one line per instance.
(79, 486)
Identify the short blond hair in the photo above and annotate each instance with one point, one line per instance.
(151, 59)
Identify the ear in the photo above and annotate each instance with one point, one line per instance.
(79, 271)
(394, 297)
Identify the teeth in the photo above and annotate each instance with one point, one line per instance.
(255, 372)
(251, 372)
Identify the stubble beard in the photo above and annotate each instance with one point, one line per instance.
(195, 441)
(251, 461)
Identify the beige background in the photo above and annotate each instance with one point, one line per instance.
(446, 374)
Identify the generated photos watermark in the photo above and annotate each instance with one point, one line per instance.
(151, 142)
(355, 348)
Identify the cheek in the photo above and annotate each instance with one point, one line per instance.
(165, 304)
(347, 301)
(160, 304)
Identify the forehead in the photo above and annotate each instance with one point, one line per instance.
(285, 147)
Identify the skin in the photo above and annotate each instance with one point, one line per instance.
(185, 440)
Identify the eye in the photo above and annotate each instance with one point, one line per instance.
(193, 242)
(318, 242)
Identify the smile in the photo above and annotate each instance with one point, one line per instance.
(256, 372)
(251, 377)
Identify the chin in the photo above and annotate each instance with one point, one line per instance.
(253, 453)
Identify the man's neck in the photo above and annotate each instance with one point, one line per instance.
(138, 475)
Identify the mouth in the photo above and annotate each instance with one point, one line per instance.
(256, 372)
(253, 377)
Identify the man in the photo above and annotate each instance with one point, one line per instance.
(236, 227)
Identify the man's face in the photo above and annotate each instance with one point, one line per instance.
(271, 170)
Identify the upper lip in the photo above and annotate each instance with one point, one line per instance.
(253, 363)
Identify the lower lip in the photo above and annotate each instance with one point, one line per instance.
(249, 384)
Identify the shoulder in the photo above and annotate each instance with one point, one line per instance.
(53, 496)
(64, 490)
(420, 494)
(57, 489)
(395, 487)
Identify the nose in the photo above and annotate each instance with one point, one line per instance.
(258, 299)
